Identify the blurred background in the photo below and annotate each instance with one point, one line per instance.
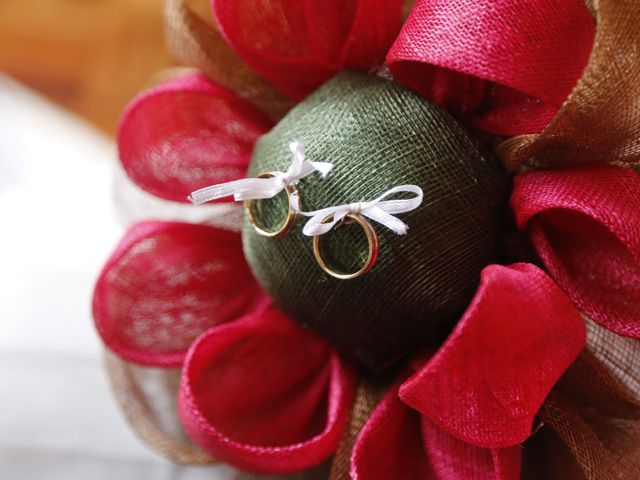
(87, 56)
(67, 69)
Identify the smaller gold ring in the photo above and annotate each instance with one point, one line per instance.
(288, 223)
(372, 238)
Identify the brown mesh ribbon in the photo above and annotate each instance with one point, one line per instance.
(147, 397)
(600, 121)
(194, 40)
(595, 412)
(368, 395)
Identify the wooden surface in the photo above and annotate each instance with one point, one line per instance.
(90, 56)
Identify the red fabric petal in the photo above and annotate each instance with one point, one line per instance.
(265, 395)
(508, 65)
(486, 383)
(165, 284)
(185, 134)
(299, 44)
(585, 225)
(396, 442)
(507, 462)
(452, 459)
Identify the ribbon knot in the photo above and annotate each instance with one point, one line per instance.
(379, 210)
(356, 207)
(266, 187)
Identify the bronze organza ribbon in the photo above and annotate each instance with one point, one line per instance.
(600, 121)
(194, 39)
(147, 397)
(368, 395)
(595, 410)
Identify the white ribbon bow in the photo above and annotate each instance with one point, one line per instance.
(379, 210)
(260, 188)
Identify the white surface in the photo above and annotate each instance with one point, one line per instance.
(57, 226)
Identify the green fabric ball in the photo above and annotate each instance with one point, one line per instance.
(378, 135)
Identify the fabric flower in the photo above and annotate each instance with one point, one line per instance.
(262, 393)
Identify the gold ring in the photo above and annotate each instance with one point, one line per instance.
(372, 238)
(288, 223)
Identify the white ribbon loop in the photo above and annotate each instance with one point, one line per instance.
(379, 210)
(267, 187)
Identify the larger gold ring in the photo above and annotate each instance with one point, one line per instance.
(372, 238)
(288, 223)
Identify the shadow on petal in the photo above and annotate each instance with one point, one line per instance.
(390, 444)
(453, 459)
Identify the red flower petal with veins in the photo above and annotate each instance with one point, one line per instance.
(165, 284)
(297, 45)
(487, 382)
(585, 225)
(187, 133)
(265, 395)
(396, 442)
(508, 65)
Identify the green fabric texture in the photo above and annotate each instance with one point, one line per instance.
(379, 135)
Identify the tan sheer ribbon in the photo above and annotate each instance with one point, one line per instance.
(147, 397)
(195, 41)
(595, 410)
(368, 395)
(600, 121)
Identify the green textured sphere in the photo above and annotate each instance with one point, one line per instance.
(379, 135)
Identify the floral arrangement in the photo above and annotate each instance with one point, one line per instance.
(489, 151)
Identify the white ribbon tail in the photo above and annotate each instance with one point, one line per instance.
(244, 189)
(306, 168)
(257, 188)
(297, 149)
(324, 168)
(378, 214)
(302, 167)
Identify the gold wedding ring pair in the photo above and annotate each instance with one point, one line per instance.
(285, 227)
